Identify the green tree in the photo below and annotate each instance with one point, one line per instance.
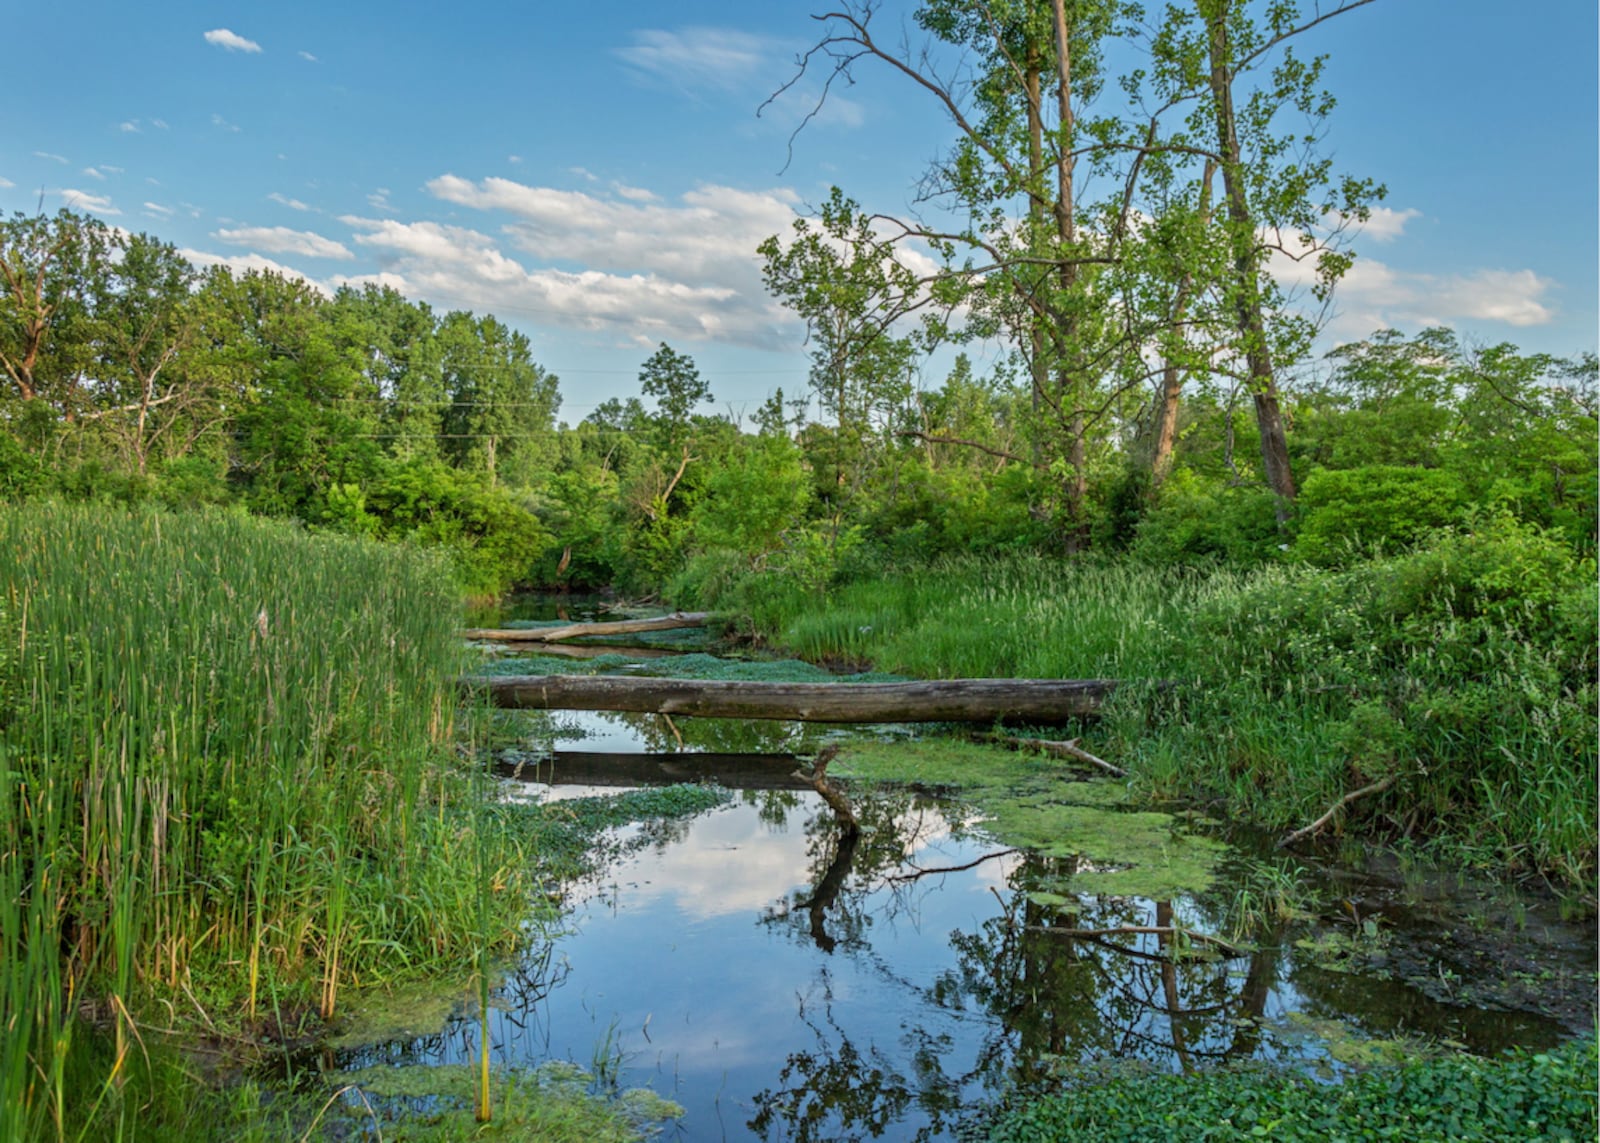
(673, 381)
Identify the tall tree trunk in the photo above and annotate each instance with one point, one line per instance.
(1246, 286)
(1166, 428)
(1069, 371)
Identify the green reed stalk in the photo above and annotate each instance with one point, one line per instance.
(226, 769)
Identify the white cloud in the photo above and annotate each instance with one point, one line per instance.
(634, 194)
(291, 203)
(81, 200)
(633, 266)
(1374, 295)
(94, 174)
(231, 41)
(1386, 224)
(129, 126)
(308, 57)
(155, 208)
(109, 167)
(245, 262)
(219, 121)
(379, 200)
(514, 160)
(159, 124)
(698, 58)
(6, 184)
(282, 240)
(52, 156)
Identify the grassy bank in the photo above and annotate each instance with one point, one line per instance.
(228, 795)
(1464, 671)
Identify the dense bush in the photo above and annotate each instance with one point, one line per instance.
(1522, 1096)
(1375, 508)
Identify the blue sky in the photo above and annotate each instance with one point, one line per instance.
(597, 175)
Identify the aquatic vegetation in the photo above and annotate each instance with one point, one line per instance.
(1522, 1095)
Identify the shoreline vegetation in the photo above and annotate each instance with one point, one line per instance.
(235, 798)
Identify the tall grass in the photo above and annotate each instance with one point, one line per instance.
(1465, 669)
(227, 792)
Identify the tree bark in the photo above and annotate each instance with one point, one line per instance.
(946, 700)
(1246, 288)
(578, 630)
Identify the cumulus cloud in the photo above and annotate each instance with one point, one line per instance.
(94, 174)
(1386, 224)
(642, 271)
(1375, 295)
(231, 41)
(82, 200)
(6, 184)
(282, 240)
(129, 126)
(241, 263)
(285, 200)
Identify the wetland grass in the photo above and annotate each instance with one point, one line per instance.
(1465, 668)
(228, 793)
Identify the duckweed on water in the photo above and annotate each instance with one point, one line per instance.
(1040, 804)
(553, 1103)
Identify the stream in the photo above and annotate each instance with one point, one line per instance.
(782, 979)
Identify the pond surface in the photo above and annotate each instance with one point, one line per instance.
(783, 979)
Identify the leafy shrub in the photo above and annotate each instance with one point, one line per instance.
(1532, 1096)
(1380, 506)
(1199, 522)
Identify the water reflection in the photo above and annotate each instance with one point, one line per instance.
(785, 979)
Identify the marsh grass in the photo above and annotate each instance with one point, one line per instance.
(1465, 668)
(227, 793)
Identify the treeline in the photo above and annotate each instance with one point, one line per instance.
(133, 376)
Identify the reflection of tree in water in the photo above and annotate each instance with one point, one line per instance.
(840, 1093)
(1053, 996)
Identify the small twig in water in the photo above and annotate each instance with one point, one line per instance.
(1067, 748)
(1301, 834)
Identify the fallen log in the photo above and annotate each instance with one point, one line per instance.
(943, 700)
(579, 630)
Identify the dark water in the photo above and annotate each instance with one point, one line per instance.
(783, 981)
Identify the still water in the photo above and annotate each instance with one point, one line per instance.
(782, 981)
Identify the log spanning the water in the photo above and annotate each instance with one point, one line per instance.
(579, 630)
(943, 700)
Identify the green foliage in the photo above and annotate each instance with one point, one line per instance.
(1522, 1095)
(1375, 508)
(1198, 522)
(493, 541)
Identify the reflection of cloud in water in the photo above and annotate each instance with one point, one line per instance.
(736, 865)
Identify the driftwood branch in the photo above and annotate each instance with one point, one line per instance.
(1058, 748)
(837, 802)
(1301, 834)
(579, 630)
